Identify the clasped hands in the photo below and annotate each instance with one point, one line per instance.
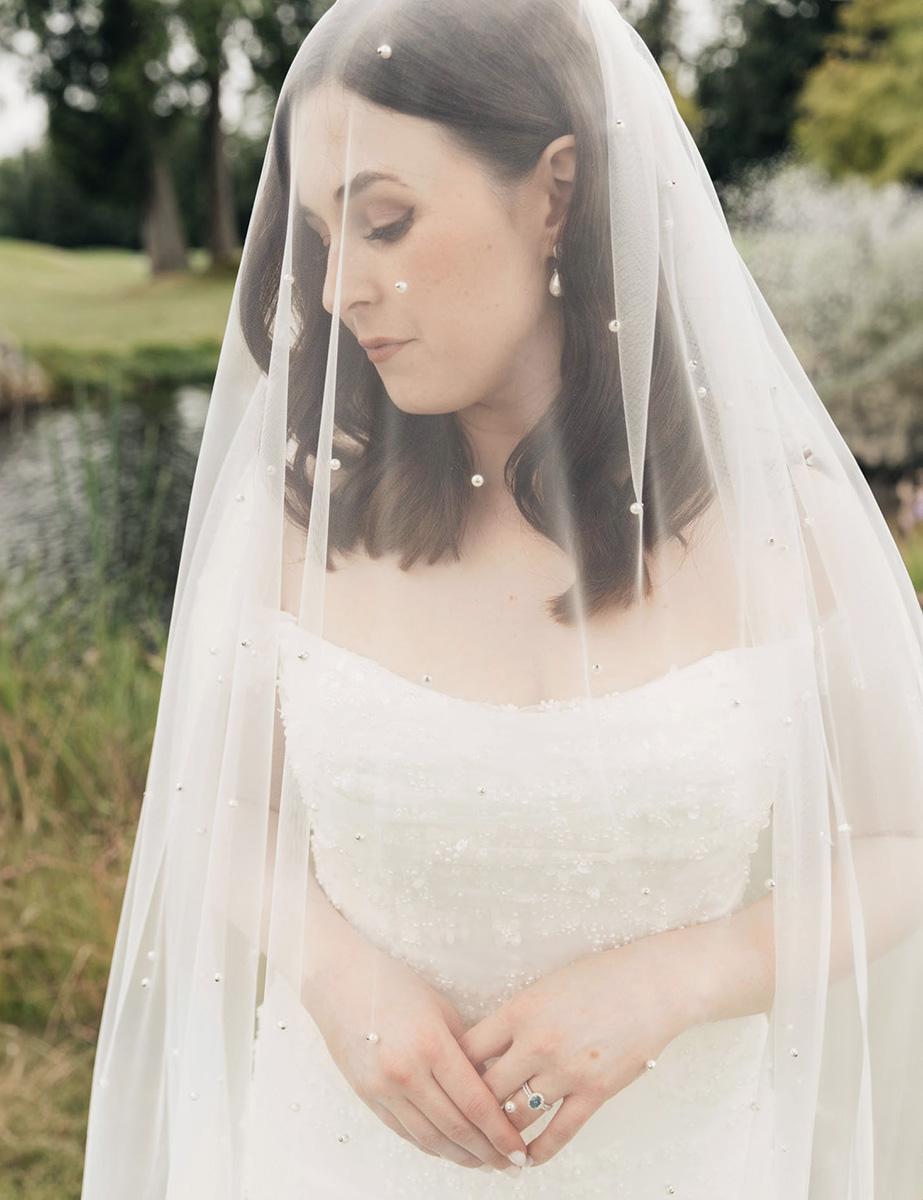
(579, 1034)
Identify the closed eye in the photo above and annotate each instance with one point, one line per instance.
(385, 233)
(390, 233)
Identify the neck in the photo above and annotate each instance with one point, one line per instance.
(494, 426)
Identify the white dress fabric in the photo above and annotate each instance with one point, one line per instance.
(467, 797)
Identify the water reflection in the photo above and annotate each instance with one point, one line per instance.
(98, 494)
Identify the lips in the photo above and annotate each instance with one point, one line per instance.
(380, 351)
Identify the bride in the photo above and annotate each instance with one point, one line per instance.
(535, 784)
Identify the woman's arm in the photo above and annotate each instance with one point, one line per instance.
(329, 937)
(330, 940)
(730, 962)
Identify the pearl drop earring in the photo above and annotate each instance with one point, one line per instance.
(554, 284)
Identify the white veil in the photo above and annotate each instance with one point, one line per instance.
(685, 443)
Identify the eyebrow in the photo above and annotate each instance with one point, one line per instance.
(360, 183)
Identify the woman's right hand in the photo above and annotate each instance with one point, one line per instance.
(416, 1077)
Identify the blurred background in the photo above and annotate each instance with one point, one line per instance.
(131, 138)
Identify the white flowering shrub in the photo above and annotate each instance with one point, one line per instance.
(841, 266)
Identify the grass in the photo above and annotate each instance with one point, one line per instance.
(89, 315)
(76, 722)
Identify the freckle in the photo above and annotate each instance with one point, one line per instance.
(594, 1054)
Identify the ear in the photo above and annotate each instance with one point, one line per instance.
(557, 168)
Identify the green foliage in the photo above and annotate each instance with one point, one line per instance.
(838, 264)
(750, 77)
(116, 95)
(76, 722)
(39, 201)
(277, 32)
(79, 688)
(101, 67)
(912, 552)
(860, 108)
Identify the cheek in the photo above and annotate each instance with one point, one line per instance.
(472, 293)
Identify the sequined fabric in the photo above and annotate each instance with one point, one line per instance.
(486, 845)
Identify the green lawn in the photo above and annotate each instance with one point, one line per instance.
(105, 299)
(83, 313)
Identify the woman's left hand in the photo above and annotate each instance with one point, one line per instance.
(583, 1032)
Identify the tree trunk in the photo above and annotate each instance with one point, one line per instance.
(221, 233)
(162, 226)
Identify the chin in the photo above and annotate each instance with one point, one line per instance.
(415, 404)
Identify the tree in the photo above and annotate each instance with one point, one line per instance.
(100, 67)
(657, 21)
(277, 32)
(749, 79)
(207, 23)
(860, 107)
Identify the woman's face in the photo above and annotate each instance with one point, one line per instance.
(476, 313)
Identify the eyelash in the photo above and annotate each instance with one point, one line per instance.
(390, 233)
(387, 233)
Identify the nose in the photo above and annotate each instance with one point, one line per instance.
(358, 284)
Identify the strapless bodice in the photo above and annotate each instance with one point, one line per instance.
(456, 831)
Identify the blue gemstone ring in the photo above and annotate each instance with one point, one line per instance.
(536, 1100)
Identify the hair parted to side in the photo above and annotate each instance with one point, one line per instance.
(528, 72)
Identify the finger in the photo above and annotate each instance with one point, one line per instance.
(428, 1137)
(506, 1075)
(442, 1110)
(473, 1098)
(573, 1111)
(523, 1114)
(393, 1123)
(490, 1036)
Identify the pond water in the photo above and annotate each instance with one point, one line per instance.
(98, 492)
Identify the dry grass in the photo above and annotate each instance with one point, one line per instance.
(75, 729)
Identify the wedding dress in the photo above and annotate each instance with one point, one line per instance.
(491, 333)
(486, 797)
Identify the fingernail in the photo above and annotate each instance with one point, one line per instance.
(530, 1161)
(518, 1157)
(514, 1171)
(486, 1167)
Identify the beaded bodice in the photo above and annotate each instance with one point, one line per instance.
(455, 831)
(487, 845)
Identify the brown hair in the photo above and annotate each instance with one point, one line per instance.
(404, 486)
